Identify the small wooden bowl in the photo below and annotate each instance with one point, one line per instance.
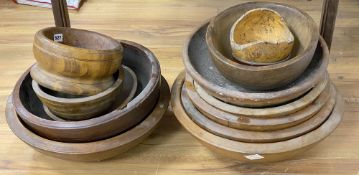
(92, 151)
(83, 57)
(71, 107)
(267, 77)
(257, 124)
(202, 69)
(139, 59)
(128, 90)
(254, 152)
(266, 112)
(261, 37)
(270, 136)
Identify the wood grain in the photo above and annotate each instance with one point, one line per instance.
(163, 26)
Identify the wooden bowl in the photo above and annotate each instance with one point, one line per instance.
(200, 66)
(136, 57)
(306, 35)
(72, 107)
(128, 90)
(261, 37)
(267, 136)
(92, 151)
(253, 123)
(266, 112)
(254, 152)
(83, 57)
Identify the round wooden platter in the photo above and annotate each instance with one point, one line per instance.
(200, 66)
(254, 152)
(128, 91)
(254, 136)
(91, 151)
(266, 112)
(136, 57)
(256, 124)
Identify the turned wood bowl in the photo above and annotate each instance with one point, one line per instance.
(254, 152)
(72, 107)
(268, 136)
(261, 37)
(267, 77)
(92, 151)
(83, 59)
(262, 123)
(266, 112)
(136, 57)
(201, 67)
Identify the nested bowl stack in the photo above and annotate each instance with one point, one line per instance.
(132, 115)
(254, 112)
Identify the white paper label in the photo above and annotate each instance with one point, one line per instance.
(254, 157)
(58, 37)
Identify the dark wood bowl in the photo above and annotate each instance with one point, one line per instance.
(276, 134)
(253, 123)
(266, 112)
(72, 107)
(139, 59)
(92, 151)
(83, 57)
(267, 77)
(201, 67)
(254, 152)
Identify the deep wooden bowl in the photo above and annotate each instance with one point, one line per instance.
(200, 66)
(139, 59)
(261, 37)
(254, 152)
(83, 57)
(92, 151)
(306, 35)
(80, 107)
(270, 136)
(266, 112)
(253, 123)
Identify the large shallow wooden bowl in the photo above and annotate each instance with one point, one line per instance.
(83, 57)
(261, 37)
(115, 121)
(200, 66)
(306, 35)
(253, 123)
(266, 112)
(254, 152)
(249, 136)
(80, 108)
(92, 151)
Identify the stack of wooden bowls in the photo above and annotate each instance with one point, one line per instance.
(88, 97)
(256, 112)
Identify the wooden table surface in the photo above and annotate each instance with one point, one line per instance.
(163, 26)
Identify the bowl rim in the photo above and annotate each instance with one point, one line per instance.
(40, 36)
(258, 97)
(218, 55)
(152, 85)
(116, 85)
(230, 147)
(122, 140)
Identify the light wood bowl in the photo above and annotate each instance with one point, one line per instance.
(261, 37)
(200, 66)
(92, 151)
(254, 152)
(267, 77)
(84, 57)
(139, 59)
